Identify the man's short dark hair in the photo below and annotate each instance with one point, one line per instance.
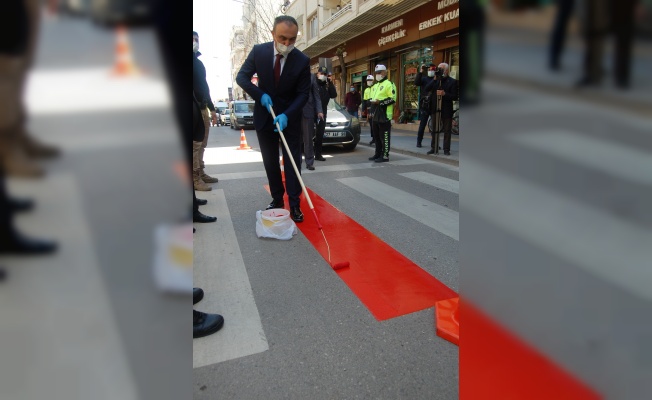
(195, 33)
(287, 19)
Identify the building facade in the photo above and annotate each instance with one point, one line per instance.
(401, 34)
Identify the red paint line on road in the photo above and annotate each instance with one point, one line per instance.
(386, 282)
(495, 364)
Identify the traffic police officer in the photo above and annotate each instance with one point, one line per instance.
(366, 105)
(383, 97)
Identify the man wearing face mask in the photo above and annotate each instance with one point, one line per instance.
(424, 112)
(326, 91)
(446, 88)
(283, 84)
(202, 93)
(352, 101)
(383, 98)
(367, 106)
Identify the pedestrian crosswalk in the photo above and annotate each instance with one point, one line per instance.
(220, 268)
(433, 215)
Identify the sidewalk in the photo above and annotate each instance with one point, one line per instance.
(404, 141)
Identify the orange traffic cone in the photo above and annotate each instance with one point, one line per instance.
(447, 319)
(124, 65)
(243, 141)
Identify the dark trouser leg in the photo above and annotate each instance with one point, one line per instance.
(307, 134)
(447, 124)
(293, 139)
(379, 148)
(564, 11)
(434, 143)
(5, 214)
(623, 15)
(319, 137)
(384, 131)
(371, 130)
(422, 127)
(269, 142)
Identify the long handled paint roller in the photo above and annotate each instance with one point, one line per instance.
(336, 266)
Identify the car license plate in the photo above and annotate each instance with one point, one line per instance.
(249, 123)
(335, 134)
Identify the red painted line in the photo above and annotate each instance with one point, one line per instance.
(495, 364)
(385, 281)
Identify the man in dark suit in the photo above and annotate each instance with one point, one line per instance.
(447, 89)
(283, 84)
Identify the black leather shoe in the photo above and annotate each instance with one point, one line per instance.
(18, 244)
(373, 142)
(199, 217)
(197, 295)
(310, 167)
(320, 158)
(447, 153)
(202, 202)
(205, 324)
(381, 159)
(20, 205)
(373, 158)
(431, 151)
(275, 204)
(296, 214)
(419, 145)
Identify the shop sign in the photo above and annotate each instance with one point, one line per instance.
(395, 35)
(449, 16)
(445, 3)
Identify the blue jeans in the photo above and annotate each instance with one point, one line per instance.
(354, 113)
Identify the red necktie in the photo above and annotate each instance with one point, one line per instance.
(277, 68)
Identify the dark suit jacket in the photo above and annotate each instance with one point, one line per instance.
(313, 105)
(451, 93)
(292, 92)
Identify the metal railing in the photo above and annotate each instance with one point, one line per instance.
(338, 14)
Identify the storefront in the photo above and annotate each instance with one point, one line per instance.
(427, 34)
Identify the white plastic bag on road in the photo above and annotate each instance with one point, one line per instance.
(275, 224)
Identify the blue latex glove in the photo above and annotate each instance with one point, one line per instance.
(266, 101)
(282, 120)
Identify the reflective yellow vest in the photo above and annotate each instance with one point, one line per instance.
(385, 89)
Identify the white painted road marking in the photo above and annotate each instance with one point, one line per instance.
(435, 216)
(58, 333)
(610, 157)
(579, 233)
(220, 271)
(437, 181)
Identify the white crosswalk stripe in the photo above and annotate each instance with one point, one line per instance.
(579, 233)
(58, 329)
(624, 162)
(437, 217)
(220, 271)
(437, 181)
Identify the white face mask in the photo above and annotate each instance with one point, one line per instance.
(379, 77)
(195, 47)
(369, 83)
(431, 73)
(283, 49)
(352, 89)
(322, 78)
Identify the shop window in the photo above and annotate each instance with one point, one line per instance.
(411, 62)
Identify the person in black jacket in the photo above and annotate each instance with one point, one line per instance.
(202, 93)
(326, 92)
(14, 46)
(447, 88)
(423, 78)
